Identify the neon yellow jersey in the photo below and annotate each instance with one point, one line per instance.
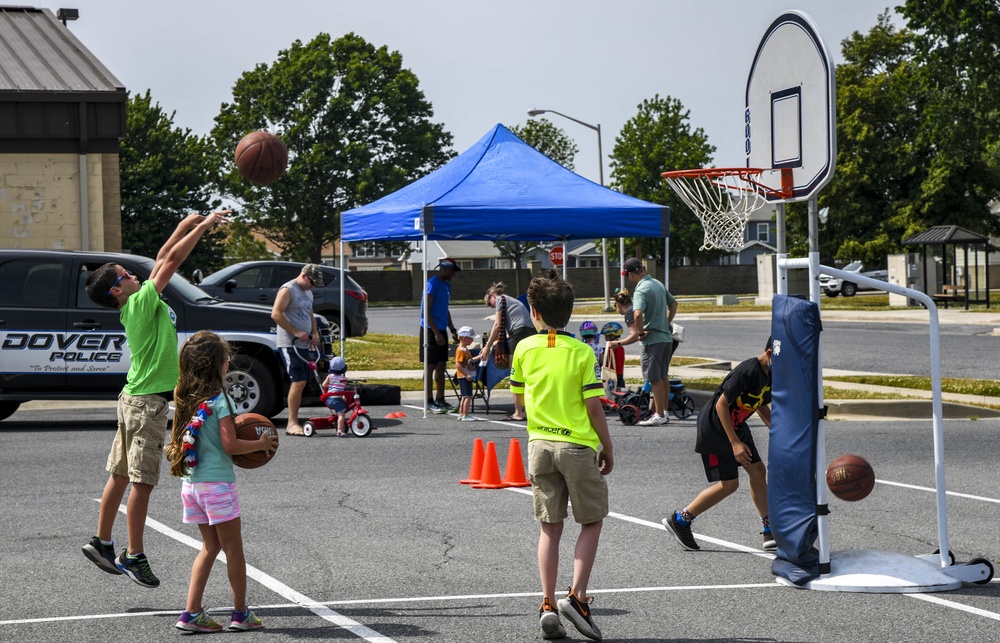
(152, 341)
(555, 373)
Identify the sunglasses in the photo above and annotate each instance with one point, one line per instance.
(125, 273)
(311, 281)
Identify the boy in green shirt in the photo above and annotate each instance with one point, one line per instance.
(569, 448)
(142, 406)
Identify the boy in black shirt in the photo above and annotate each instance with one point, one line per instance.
(725, 444)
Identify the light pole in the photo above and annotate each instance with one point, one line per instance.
(600, 174)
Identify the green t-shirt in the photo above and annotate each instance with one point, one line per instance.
(654, 300)
(555, 373)
(152, 341)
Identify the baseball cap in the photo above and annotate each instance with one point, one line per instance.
(448, 262)
(338, 366)
(466, 331)
(631, 265)
(314, 273)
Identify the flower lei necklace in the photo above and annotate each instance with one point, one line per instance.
(191, 434)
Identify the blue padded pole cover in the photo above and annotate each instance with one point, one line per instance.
(791, 462)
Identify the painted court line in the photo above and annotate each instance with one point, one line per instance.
(933, 490)
(280, 588)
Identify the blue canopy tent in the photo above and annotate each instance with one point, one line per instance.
(501, 188)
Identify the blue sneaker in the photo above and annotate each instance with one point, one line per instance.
(137, 569)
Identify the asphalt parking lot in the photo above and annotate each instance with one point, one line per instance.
(375, 539)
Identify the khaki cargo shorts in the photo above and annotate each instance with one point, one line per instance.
(138, 447)
(563, 472)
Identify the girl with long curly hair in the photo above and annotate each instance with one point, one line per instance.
(202, 442)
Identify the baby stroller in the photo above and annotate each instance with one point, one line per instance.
(634, 406)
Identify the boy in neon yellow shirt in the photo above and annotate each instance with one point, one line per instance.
(569, 448)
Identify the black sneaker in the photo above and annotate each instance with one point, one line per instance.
(681, 532)
(137, 569)
(435, 407)
(770, 544)
(102, 555)
(548, 620)
(445, 407)
(579, 615)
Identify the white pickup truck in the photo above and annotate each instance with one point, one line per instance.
(833, 287)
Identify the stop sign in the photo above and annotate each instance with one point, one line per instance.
(556, 256)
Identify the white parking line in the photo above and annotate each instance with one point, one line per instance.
(933, 490)
(281, 589)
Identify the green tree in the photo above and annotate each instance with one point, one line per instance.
(166, 173)
(879, 168)
(242, 245)
(356, 126)
(548, 139)
(659, 138)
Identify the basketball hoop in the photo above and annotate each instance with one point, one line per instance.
(723, 198)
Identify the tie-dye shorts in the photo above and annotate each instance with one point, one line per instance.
(210, 502)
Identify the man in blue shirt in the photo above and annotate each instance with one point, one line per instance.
(433, 332)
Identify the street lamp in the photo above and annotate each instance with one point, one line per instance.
(600, 174)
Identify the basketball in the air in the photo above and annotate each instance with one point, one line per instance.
(261, 157)
(250, 426)
(850, 477)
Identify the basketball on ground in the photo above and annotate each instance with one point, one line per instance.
(850, 477)
(250, 426)
(261, 157)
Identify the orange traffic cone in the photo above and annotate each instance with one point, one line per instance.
(514, 476)
(490, 477)
(476, 467)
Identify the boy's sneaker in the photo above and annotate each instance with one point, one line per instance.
(244, 622)
(468, 418)
(548, 620)
(138, 569)
(579, 615)
(770, 544)
(200, 622)
(102, 555)
(655, 420)
(681, 532)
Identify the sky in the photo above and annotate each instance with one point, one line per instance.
(478, 63)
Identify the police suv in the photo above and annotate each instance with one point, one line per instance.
(55, 343)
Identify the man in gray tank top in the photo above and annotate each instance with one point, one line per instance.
(293, 313)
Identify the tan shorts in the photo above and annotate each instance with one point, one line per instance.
(138, 447)
(563, 472)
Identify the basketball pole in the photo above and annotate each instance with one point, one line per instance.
(781, 287)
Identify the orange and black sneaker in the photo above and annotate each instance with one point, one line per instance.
(548, 620)
(579, 615)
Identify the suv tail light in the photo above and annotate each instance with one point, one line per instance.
(360, 295)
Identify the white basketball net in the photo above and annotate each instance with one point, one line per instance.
(723, 200)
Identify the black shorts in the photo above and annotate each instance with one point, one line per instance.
(436, 353)
(724, 466)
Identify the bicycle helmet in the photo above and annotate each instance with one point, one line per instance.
(588, 328)
(612, 330)
(338, 366)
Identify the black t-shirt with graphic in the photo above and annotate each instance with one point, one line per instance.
(746, 387)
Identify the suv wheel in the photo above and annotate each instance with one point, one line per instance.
(333, 320)
(849, 289)
(252, 387)
(7, 409)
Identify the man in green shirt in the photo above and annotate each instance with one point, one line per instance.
(142, 406)
(654, 309)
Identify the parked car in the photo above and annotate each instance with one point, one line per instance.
(833, 287)
(56, 344)
(257, 282)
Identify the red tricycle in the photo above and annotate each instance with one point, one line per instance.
(357, 418)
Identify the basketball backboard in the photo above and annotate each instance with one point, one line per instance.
(790, 118)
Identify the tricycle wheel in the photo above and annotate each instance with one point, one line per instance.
(683, 406)
(628, 414)
(361, 426)
(308, 429)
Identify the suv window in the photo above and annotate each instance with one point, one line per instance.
(283, 274)
(29, 283)
(253, 277)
